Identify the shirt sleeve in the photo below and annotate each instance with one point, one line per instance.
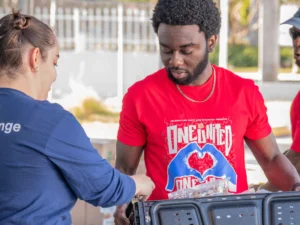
(131, 130)
(258, 126)
(89, 176)
(296, 140)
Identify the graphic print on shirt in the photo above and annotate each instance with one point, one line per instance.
(202, 149)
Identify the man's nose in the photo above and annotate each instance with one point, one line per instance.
(176, 60)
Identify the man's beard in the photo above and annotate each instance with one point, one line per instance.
(190, 77)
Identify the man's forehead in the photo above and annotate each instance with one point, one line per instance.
(178, 28)
(189, 32)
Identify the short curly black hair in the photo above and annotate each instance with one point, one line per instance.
(203, 13)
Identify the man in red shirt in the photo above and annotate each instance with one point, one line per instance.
(293, 154)
(191, 118)
(295, 121)
(295, 109)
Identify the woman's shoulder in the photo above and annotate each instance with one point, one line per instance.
(50, 114)
(49, 108)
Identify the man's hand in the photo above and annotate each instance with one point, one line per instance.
(144, 185)
(120, 215)
(297, 188)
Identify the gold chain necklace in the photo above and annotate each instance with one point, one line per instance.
(210, 94)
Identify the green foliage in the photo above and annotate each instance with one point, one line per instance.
(286, 57)
(283, 2)
(243, 56)
(214, 56)
(94, 110)
(247, 56)
(238, 56)
(244, 12)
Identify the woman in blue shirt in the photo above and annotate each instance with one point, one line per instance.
(46, 159)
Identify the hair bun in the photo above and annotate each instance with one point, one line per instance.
(20, 21)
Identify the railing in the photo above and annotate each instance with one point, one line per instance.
(95, 27)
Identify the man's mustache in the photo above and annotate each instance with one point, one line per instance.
(177, 70)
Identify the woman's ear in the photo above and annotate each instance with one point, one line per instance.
(211, 43)
(35, 57)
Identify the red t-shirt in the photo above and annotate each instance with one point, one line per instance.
(295, 121)
(188, 143)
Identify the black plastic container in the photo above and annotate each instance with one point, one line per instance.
(250, 209)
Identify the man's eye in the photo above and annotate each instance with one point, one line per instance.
(166, 50)
(186, 52)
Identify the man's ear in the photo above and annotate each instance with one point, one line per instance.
(211, 42)
(35, 57)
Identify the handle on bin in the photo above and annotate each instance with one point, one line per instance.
(138, 198)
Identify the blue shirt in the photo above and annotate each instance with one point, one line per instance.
(47, 162)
